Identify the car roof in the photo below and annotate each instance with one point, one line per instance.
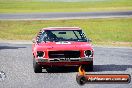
(62, 28)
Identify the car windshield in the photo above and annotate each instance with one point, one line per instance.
(64, 35)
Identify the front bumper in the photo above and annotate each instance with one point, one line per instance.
(64, 61)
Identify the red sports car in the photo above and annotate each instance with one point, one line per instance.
(61, 46)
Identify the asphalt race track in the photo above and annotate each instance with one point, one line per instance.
(63, 15)
(16, 62)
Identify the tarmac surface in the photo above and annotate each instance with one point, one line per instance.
(16, 63)
(64, 15)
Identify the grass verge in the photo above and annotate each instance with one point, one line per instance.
(15, 6)
(116, 31)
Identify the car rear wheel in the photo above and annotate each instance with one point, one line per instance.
(36, 66)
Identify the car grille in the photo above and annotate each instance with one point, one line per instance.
(64, 54)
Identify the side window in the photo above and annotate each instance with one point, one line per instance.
(40, 36)
(44, 36)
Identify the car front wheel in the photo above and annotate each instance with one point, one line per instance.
(88, 67)
(36, 66)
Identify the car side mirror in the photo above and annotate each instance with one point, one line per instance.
(89, 40)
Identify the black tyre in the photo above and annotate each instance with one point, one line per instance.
(36, 66)
(88, 67)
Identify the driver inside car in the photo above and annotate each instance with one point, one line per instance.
(51, 36)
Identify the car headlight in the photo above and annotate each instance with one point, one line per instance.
(40, 53)
(88, 53)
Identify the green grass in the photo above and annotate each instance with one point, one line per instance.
(12, 6)
(99, 30)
